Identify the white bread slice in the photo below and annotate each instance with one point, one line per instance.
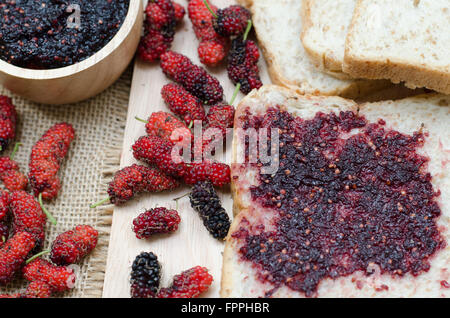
(404, 41)
(278, 26)
(406, 116)
(324, 32)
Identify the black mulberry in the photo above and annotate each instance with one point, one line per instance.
(206, 202)
(145, 276)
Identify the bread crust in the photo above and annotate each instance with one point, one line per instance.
(356, 88)
(325, 62)
(395, 70)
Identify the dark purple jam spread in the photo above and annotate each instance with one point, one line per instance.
(46, 34)
(344, 200)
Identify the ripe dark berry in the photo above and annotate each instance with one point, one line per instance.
(243, 64)
(156, 221)
(13, 254)
(182, 103)
(193, 78)
(136, 179)
(145, 276)
(189, 284)
(28, 216)
(72, 246)
(159, 29)
(59, 278)
(8, 119)
(213, 47)
(231, 21)
(206, 202)
(46, 157)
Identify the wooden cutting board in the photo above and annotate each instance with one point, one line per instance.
(191, 245)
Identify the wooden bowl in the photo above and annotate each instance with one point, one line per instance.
(84, 79)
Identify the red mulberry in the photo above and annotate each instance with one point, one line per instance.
(213, 47)
(189, 284)
(182, 103)
(28, 216)
(46, 157)
(8, 119)
(154, 150)
(192, 77)
(70, 247)
(133, 180)
(159, 29)
(220, 116)
(168, 127)
(10, 175)
(4, 204)
(179, 12)
(13, 254)
(231, 21)
(243, 65)
(59, 278)
(155, 221)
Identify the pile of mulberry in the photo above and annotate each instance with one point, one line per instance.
(154, 150)
(159, 29)
(213, 47)
(145, 276)
(206, 202)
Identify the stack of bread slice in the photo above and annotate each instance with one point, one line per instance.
(353, 47)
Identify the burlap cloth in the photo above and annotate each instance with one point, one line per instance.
(94, 155)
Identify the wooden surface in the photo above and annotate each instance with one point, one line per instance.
(84, 79)
(191, 245)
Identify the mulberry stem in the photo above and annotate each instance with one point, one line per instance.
(209, 9)
(93, 206)
(16, 148)
(247, 31)
(236, 90)
(47, 213)
(141, 120)
(32, 258)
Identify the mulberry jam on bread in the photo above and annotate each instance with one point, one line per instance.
(353, 209)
